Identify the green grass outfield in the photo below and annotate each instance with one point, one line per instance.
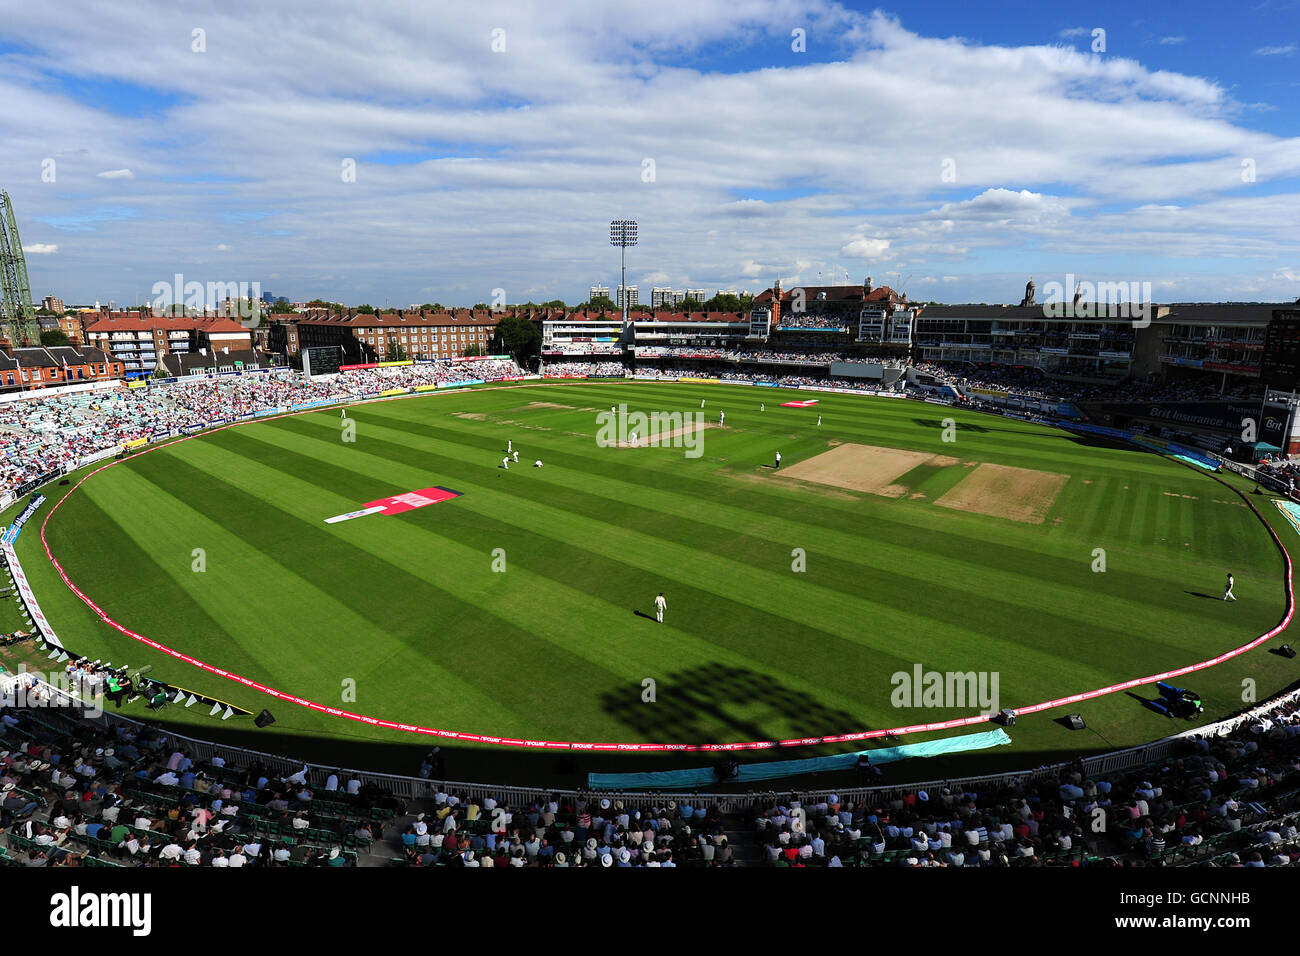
(407, 609)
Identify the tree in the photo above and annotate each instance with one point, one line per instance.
(480, 307)
(554, 304)
(366, 309)
(473, 350)
(395, 352)
(52, 338)
(281, 306)
(518, 337)
(601, 303)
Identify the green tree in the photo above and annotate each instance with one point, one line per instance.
(473, 350)
(601, 302)
(395, 352)
(281, 306)
(517, 337)
(52, 338)
(366, 309)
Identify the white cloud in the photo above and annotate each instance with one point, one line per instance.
(41, 249)
(1172, 41)
(116, 174)
(223, 248)
(1286, 50)
(518, 160)
(865, 248)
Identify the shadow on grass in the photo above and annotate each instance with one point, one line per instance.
(721, 703)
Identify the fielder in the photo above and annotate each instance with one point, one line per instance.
(343, 413)
(1227, 589)
(701, 403)
(660, 606)
(537, 463)
(762, 406)
(819, 421)
(510, 445)
(722, 418)
(516, 456)
(505, 462)
(778, 459)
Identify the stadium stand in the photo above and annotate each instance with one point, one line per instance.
(44, 435)
(104, 790)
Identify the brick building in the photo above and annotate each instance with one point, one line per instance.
(23, 369)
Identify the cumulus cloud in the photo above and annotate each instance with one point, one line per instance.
(865, 248)
(477, 170)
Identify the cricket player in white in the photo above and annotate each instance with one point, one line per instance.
(1227, 589)
(505, 463)
(819, 421)
(701, 403)
(343, 413)
(510, 445)
(516, 455)
(762, 407)
(537, 463)
(722, 418)
(778, 459)
(660, 605)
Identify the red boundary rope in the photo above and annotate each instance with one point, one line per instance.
(641, 748)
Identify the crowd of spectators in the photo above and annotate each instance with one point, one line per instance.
(809, 357)
(565, 831)
(76, 795)
(570, 369)
(1232, 800)
(1032, 382)
(805, 320)
(43, 435)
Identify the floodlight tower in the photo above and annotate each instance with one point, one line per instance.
(622, 233)
(19, 314)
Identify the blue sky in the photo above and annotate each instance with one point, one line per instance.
(952, 149)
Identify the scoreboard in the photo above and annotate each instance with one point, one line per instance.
(322, 361)
(1280, 365)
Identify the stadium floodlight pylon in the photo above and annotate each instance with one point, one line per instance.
(19, 315)
(622, 233)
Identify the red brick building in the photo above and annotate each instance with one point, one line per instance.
(140, 340)
(23, 369)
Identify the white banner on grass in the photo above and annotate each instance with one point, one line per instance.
(29, 599)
